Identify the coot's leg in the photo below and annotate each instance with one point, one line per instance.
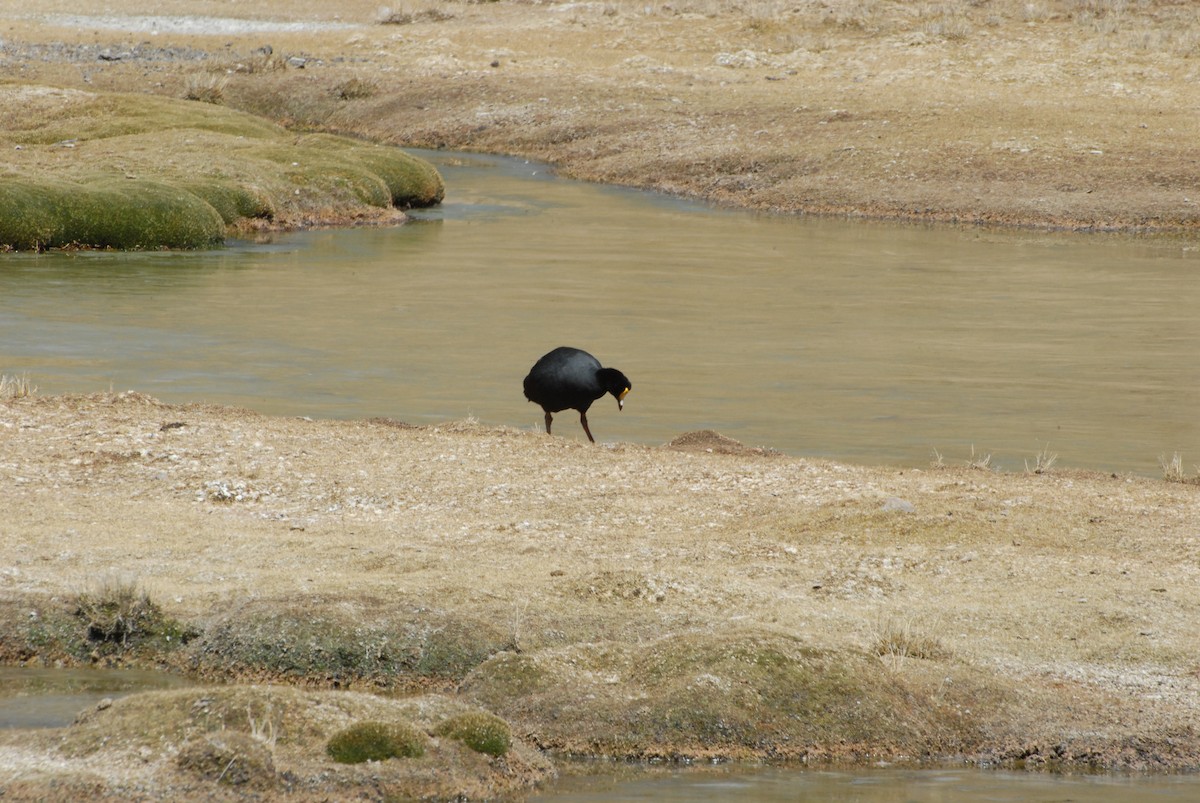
(583, 420)
(548, 417)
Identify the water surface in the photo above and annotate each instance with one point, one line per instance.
(858, 341)
(872, 786)
(32, 697)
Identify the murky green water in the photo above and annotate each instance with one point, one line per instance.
(858, 341)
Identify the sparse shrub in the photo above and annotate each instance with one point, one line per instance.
(118, 611)
(263, 59)
(118, 615)
(949, 26)
(408, 16)
(854, 14)
(375, 741)
(480, 731)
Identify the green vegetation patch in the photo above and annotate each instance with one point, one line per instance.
(51, 115)
(482, 732)
(41, 213)
(232, 201)
(116, 171)
(376, 741)
(410, 181)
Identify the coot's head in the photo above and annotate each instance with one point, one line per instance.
(616, 383)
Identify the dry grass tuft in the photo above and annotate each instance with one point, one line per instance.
(262, 60)
(980, 462)
(1043, 461)
(229, 758)
(16, 387)
(117, 611)
(262, 730)
(937, 461)
(945, 22)
(206, 87)
(1172, 468)
(895, 640)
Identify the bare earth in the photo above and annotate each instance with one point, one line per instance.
(1054, 614)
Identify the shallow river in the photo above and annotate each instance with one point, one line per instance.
(858, 341)
(871, 786)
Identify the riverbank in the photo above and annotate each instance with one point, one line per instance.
(1052, 114)
(697, 600)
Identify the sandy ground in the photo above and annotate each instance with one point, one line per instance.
(1080, 587)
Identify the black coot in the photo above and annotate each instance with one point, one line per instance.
(568, 378)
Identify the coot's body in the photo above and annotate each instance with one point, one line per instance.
(571, 379)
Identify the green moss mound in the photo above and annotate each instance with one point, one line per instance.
(482, 732)
(118, 171)
(232, 201)
(375, 741)
(48, 213)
